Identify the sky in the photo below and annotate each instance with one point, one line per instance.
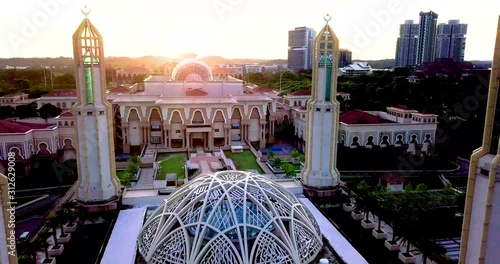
(231, 28)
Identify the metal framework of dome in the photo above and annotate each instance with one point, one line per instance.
(230, 217)
(192, 70)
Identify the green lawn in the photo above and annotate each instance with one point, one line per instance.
(171, 163)
(244, 161)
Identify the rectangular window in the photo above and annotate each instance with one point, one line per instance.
(235, 126)
(101, 112)
(328, 109)
(177, 131)
(155, 128)
(317, 109)
(89, 113)
(216, 130)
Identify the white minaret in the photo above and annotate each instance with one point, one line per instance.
(481, 227)
(99, 188)
(320, 171)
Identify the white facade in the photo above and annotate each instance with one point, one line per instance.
(97, 181)
(320, 170)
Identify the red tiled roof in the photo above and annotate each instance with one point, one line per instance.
(196, 92)
(360, 117)
(392, 178)
(7, 126)
(119, 89)
(402, 107)
(218, 70)
(69, 93)
(261, 89)
(299, 93)
(66, 114)
(14, 94)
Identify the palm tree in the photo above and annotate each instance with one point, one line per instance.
(69, 208)
(62, 219)
(53, 223)
(41, 241)
(270, 155)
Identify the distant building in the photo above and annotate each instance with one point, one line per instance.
(443, 68)
(450, 40)
(355, 69)
(15, 99)
(399, 126)
(345, 57)
(406, 47)
(426, 37)
(300, 48)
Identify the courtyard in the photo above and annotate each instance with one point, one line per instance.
(171, 163)
(244, 161)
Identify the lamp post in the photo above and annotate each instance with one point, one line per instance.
(44, 76)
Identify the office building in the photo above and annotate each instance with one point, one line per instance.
(300, 48)
(450, 40)
(406, 46)
(345, 57)
(426, 37)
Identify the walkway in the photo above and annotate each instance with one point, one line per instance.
(340, 245)
(146, 179)
(122, 245)
(204, 167)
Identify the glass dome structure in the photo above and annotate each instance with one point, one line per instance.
(230, 217)
(192, 70)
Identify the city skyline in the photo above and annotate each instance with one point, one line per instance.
(230, 29)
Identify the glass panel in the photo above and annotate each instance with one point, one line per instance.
(88, 85)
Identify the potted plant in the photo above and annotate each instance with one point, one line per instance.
(271, 155)
(41, 242)
(348, 206)
(56, 249)
(69, 208)
(382, 203)
(295, 155)
(62, 218)
(289, 170)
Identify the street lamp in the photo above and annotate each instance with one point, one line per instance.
(44, 76)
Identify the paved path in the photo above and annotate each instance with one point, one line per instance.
(205, 167)
(146, 179)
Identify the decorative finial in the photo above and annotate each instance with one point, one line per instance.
(86, 11)
(328, 17)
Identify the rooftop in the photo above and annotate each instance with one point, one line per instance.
(7, 127)
(61, 93)
(360, 117)
(300, 93)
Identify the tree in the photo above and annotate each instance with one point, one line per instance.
(53, 224)
(294, 153)
(49, 110)
(277, 162)
(362, 197)
(271, 154)
(302, 158)
(135, 160)
(41, 241)
(7, 111)
(421, 187)
(289, 170)
(27, 110)
(62, 219)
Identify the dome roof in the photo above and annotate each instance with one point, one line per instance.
(230, 217)
(192, 70)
